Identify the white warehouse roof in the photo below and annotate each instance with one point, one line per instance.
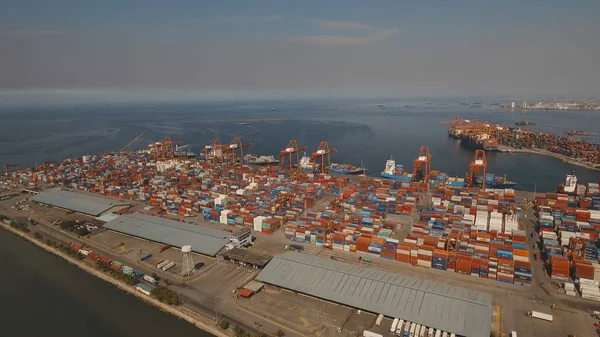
(438, 305)
(78, 202)
(205, 241)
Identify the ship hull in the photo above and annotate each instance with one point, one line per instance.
(352, 173)
(263, 163)
(393, 177)
(501, 186)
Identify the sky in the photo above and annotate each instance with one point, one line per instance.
(355, 47)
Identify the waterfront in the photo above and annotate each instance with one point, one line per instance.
(356, 128)
(63, 300)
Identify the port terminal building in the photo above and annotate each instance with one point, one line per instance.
(205, 241)
(455, 310)
(78, 202)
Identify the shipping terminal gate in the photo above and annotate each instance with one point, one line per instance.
(455, 310)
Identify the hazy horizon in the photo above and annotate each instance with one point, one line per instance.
(297, 49)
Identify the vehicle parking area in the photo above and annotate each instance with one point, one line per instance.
(132, 249)
(301, 312)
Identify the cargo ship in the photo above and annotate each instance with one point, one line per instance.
(180, 153)
(496, 182)
(570, 185)
(346, 169)
(524, 123)
(252, 159)
(395, 172)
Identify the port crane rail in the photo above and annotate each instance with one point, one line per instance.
(323, 151)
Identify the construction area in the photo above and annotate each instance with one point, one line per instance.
(330, 254)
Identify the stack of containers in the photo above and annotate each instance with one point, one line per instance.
(424, 257)
(523, 273)
(495, 222)
(506, 267)
(440, 259)
(589, 289)
(389, 248)
(481, 220)
(560, 267)
(464, 262)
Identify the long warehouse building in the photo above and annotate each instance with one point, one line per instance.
(440, 306)
(204, 241)
(79, 202)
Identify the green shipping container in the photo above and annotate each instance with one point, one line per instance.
(118, 263)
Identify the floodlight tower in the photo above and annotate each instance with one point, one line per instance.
(187, 265)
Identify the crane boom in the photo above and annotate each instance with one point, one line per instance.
(126, 147)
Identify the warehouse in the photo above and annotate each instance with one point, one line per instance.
(452, 309)
(204, 241)
(246, 258)
(79, 202)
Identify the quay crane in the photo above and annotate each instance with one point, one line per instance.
(10, 168)
(422, 165)
(477, 166)
(322, 151)
(214, 150)
(138, 137)
(329, 228)
(163, 149)
(290, 149)
(236, 144)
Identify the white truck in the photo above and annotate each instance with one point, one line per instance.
(394, 326)
(379, 320)
(540, 315)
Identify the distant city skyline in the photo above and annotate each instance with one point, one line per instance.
(273, 49)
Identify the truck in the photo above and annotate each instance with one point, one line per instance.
(294, 247)
(540, 315)
(371, 334)
(394, 325)
(150, 279)
(400, 328)
(379, 320)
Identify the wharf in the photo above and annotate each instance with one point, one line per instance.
(572, 161)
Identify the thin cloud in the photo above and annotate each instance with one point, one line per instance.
(378, 36)
(35, 32)
(249, 19)
(346, 25)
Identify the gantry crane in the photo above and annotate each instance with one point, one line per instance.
(214, 150)
(291, 149)
(130, 144)
(322, 151)
(422, 165)
(231, 150)
(10, 168)
(282, 201)
(329, 228)
(163, 149)
(478, 166)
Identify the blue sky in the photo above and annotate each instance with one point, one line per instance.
(369, 47)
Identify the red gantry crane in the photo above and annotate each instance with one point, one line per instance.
(231, 150)
(324, 150)
(163, 149)
(214, 150)
(422, 165)
(291, 149)
(10, 168)
(477, 167)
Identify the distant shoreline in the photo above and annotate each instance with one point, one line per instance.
(81, 265)
(508, 149)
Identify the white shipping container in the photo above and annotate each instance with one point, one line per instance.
(150, 279)
(168, 266)
(540, 315)
(371, 334)
(162, 264)
(394, 325)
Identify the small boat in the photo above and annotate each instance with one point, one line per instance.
(409, 106)
(245, 123)
(380, 106)
(428, 103)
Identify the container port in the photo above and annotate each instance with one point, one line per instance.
(419, 229)
(489, 136)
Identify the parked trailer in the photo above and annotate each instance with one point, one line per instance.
(411, 332)
(513, 334)
(394, 325)
(444, 334)
(399, 327)
(422, 333)
(438, 333)
(379, 320)
(162, 264)
(452, 335)
(150, 279)
(406, 329)
(371, 334)
(146, 257)
(430, 332)
(163, 248)
(540, 315)
(168, 266)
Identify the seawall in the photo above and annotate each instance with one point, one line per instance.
(81, 265)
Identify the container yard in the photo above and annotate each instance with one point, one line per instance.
(489, 136)
(424, 226)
